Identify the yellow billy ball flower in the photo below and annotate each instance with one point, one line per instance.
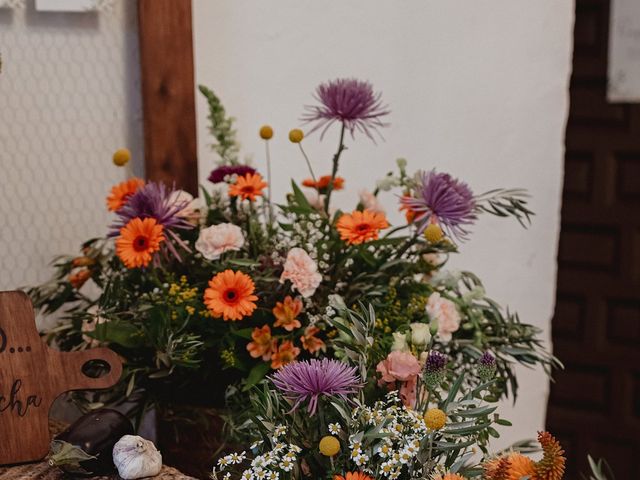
(435, 418)
(433, 233)
(329, 446)
(266, 132)
(121, 157)
(296, 135)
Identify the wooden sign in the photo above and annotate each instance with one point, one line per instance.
(32, 376)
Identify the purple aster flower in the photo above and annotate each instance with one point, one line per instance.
(444, 200)
(349, 101)
(218, 175)
(155, 200)
(309, 380)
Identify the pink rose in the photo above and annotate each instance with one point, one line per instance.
(445, 313)
(213, 241)
(401, 367)
(302, 271)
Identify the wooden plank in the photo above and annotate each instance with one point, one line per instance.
(32, 376)
(166, 55)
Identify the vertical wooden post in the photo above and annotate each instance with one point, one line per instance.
(166, 57)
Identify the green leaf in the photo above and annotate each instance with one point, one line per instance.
(300, 199)
(256, 374)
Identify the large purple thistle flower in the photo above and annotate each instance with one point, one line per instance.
(309, 380)
(218, 174)
(444, 200)
(349, 101)
(154, 200)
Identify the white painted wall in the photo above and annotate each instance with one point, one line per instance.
(69, 97)
(477, 88)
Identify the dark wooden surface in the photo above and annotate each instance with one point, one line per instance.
(168, 89)
(595, 404)
(32, 376)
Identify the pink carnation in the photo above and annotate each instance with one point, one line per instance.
(213, 241)
(370, 202)
(302, 271)
(445, 313)
(401, 367)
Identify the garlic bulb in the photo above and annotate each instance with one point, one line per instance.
(135, 457)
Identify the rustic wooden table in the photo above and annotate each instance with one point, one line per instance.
(42, 470)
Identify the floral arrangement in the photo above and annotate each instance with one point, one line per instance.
(312, 420)
(230, 287)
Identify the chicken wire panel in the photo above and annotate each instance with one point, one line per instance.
(69, 97)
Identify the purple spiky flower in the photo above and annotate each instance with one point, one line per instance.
(487, 366)
(308, 380)
(349, 101)
(219, 174)
(444, 200)
(434, 368)
(155, 200)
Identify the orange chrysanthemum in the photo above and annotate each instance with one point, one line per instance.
(323, 183)
(359, 227)
(230, 295)
(248, 186)
(284, 354)
(286, 313)
(120, 193)
(353, 476)
(552, 465)
(263, 344)
(138, 241)
(310, 342)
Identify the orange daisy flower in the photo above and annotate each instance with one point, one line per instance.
(284, 354)
(353, 476)
(286, 313)
(248, 187)
(323, 183)
(230, 295)
(120, 193)
(262, 344)
(310, 342)
(360, 227)
(138, 241)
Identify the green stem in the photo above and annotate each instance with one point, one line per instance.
(270, 208)
(304, 154)
(334, 170)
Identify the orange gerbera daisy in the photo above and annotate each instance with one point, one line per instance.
(284, 354)
(248, 187)
(120, 193)
(262, 344)
(230, 295)
(310, 342)
(359, 227)
(353, 476)
(138, 241)
(286, 313)
(323, 183)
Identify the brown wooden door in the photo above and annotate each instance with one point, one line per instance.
(594, 405)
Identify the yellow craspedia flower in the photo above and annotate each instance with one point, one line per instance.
(435, 418)
(296, 135)
(329, 446)
(433, 233)
(121, 157)
(266, 132)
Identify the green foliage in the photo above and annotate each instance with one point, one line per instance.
(221, 128)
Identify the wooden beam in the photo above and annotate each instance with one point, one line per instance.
(166, 57)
